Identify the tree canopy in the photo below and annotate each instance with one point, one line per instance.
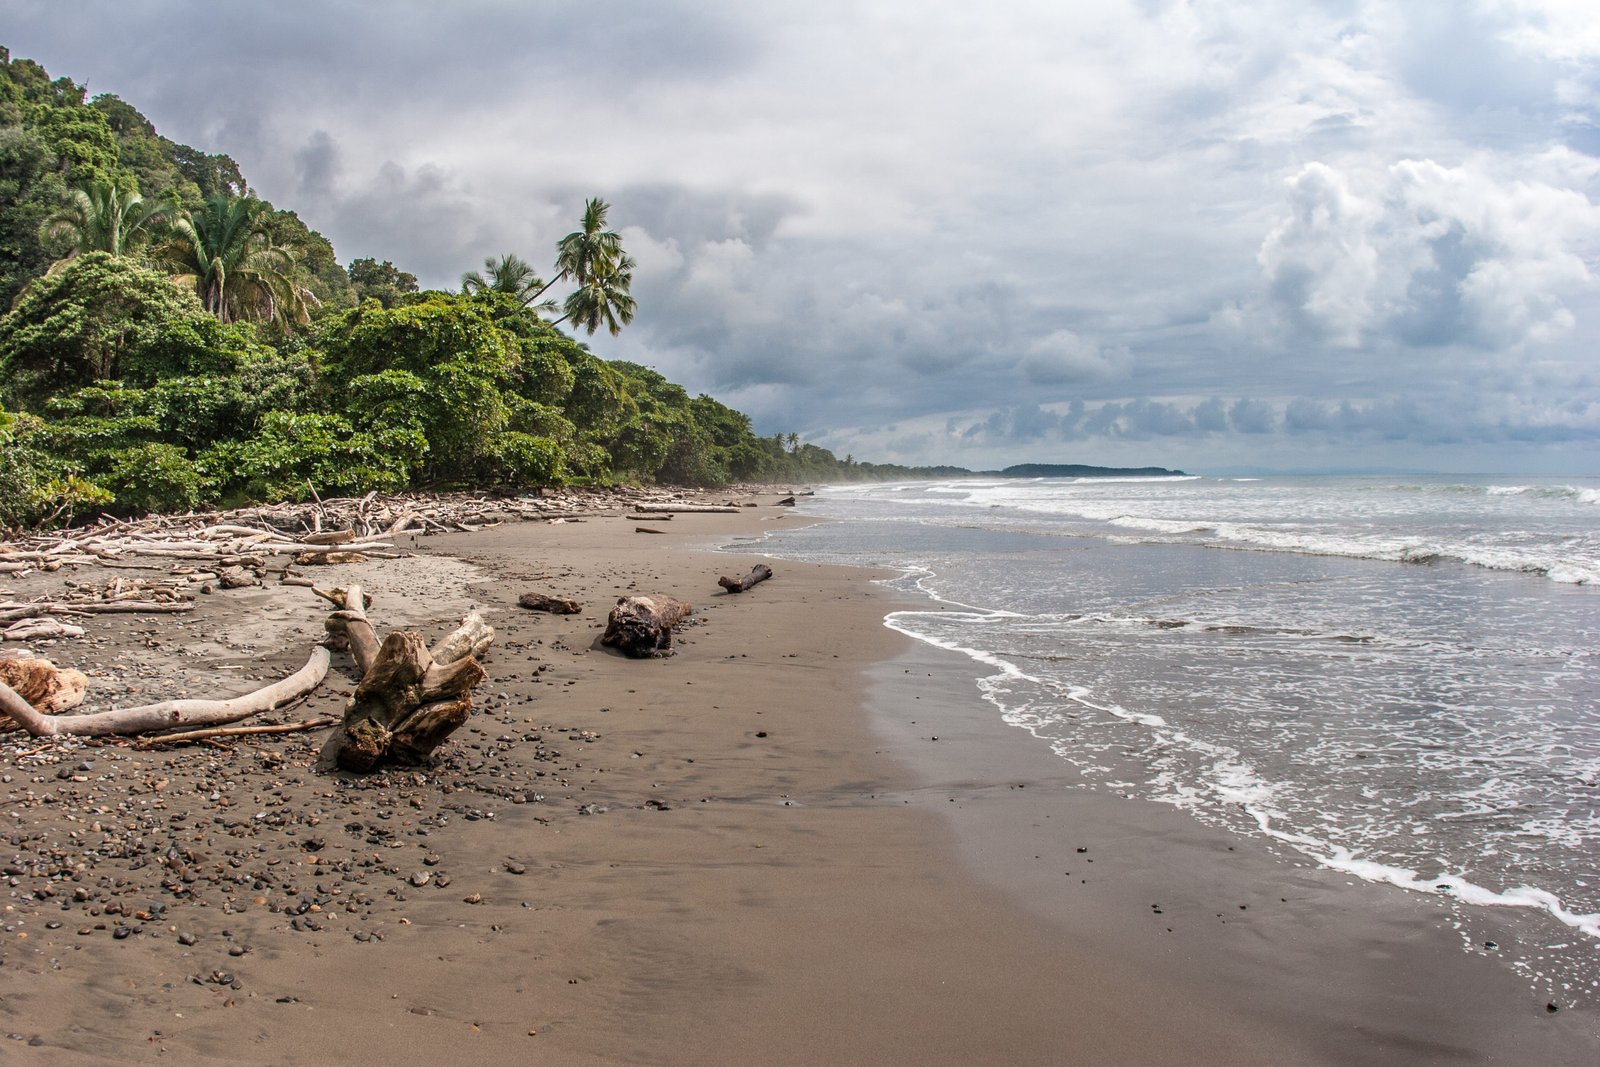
(174, 340)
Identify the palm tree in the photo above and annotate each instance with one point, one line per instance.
(99, 217)
(587, 250)
(223, 251)
(511, 274)
(603, 299)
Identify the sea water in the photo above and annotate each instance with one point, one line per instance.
(1395, 677)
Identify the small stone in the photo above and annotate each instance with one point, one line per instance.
(187, 939)
(421, 878)
(1552, 1007)
(472, 898)
(513, 867)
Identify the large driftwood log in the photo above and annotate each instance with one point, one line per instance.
(410, 697)
(555, 605)
(759, 573)
(169, 713)
(641, 626)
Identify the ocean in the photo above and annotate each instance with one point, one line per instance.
(1395, 677)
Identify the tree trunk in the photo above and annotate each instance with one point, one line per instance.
(759, 573)
(641, 626)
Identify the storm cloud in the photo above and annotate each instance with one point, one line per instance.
(1199, 234)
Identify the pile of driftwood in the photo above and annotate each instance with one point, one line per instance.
(346, 524)
(34, 619)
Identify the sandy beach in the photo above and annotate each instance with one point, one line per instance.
(799, 840)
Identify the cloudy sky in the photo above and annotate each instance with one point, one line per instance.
(1208, 234)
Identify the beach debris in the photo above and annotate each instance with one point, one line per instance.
(235, 731)
(411, 697)
(647, 530)
(759, 573)
(641, 626)
(167, 714)
(45, 629)
(786, 502)
(555, 605)
(46, 687)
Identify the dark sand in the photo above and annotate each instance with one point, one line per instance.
(748, 853)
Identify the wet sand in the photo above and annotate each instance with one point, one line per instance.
(752, 852)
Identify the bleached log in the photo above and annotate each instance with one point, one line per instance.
(472, 638)
(40, 630)
(351, 623)
(169, 713)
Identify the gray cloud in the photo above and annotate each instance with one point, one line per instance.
(1224, 231)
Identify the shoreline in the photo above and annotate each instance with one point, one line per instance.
(737, 854)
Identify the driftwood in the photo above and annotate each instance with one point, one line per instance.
(646, 529)
(410, 697)
(40, 630)
(759, 573)
(235, 731)
(786, 502)
(169, 713)
(641, 626)
(555, 605)
(42, 684)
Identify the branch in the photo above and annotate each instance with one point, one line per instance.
(169, 713)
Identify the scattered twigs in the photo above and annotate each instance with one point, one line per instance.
(759, 573)
(170, 713)
(235, 731)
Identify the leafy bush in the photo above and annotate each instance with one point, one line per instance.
(153, 478)
(290, 454)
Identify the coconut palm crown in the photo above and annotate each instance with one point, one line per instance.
(99, 217)
(223, 250)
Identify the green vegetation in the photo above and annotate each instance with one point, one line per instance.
(174, 341)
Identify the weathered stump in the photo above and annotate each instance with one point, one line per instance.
(410, 697)
(406, 705)
(641, 626)
(759, 573)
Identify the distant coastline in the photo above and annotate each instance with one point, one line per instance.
(1083, 470)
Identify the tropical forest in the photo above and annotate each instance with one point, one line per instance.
(173, 341)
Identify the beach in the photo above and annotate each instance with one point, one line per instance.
(801, 839)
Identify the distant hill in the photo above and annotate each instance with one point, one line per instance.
(1081, 470)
